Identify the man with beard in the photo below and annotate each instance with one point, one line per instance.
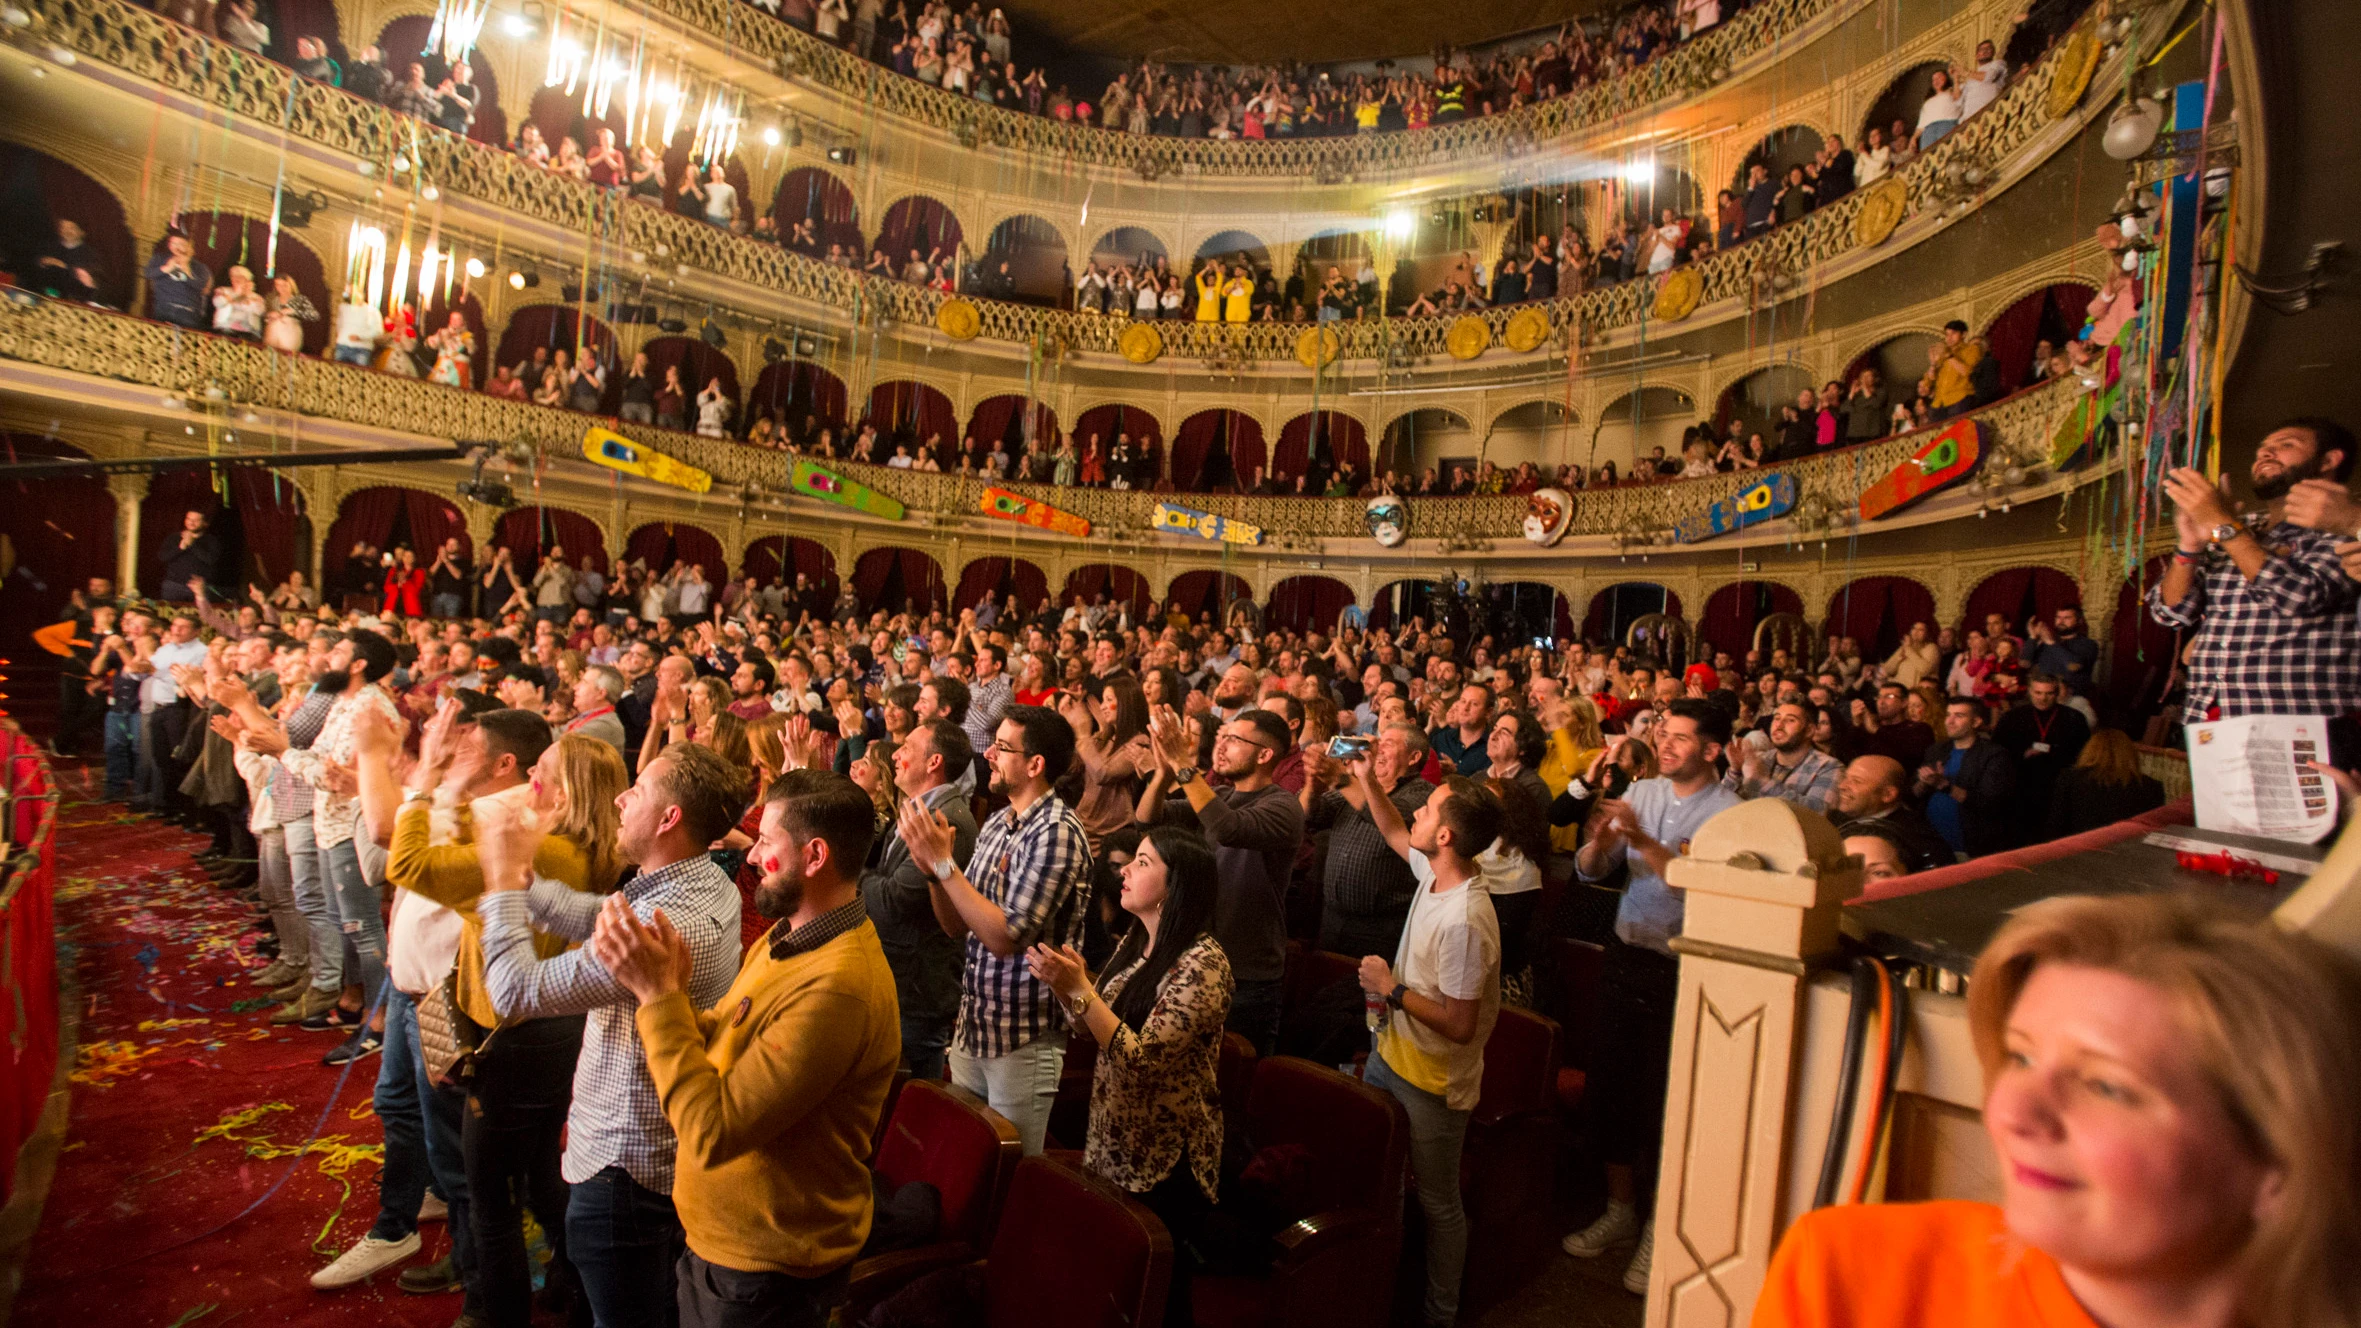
(2064, 649)
(776, 1090)
(925, 961)
(1786, 768)
(2270, 602)
(623, 1232)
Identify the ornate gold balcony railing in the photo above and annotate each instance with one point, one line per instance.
(202, 369)
(1685, 71)
(1978, 154)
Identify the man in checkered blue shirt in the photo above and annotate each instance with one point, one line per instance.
(2273, 608)
(1027, 884)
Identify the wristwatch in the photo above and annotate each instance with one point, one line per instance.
(1183, 774)
(1394, 997)
(942, 869)
(2225, 532)
(1078, 1007)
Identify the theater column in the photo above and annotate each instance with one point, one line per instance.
(130, 491)
(1764, 883)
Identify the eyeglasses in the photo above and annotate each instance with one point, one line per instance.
(1003, 749)
(1240, 737)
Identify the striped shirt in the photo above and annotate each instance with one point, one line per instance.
(1036, 868)
(616, 1118)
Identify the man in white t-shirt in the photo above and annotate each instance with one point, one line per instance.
(1442, 994)
(1983, 83)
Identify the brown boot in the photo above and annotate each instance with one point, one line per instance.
(313, 1001)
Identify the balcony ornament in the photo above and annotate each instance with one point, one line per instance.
(1678, 296)
(2132, 127)
(1033, 512)
(959, 319)
(1389, 520)
(2077, 62)
(1318, 348)
(1962, 181)
(1528, 330)
(1469, 337)
(1549, 514)
(1882, 207)
(1141, 343)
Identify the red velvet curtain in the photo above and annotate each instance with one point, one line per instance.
(472, 311)
(1307, 604)
(366, 515)
(920, 223)
(1209, 591)
(1107, 421)
(997, 578)
(994, 417)
(810, 194)
(528, 532)
(763, 562)
(799, 387)
(2143, 647)
(699, 364)
(64, 532)
(1346, 441)
(2019, 593)
(2053, 313)
(433, 519)
(37, 191)
(911, 411)
(226, 238)
(1121, 585)
(1196, 438)
(404, 40)
(270, 509)
(1732, 612)
(1876, 611)
(659, 542)
(885, 578)
(1613, 609)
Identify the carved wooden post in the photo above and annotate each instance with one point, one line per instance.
(1764, 883)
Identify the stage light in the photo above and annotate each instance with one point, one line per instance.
(1400, 224)
(770, 136)
(516, 281)
(475, 268)
(1639, 172)
(430, 193)
(842, 156)
(517, 25)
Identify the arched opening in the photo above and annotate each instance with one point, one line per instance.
(295, 19)
(808, 193)
(1006, 419)
(1120, 585)
(550, 328)
(1520, 613)
(224, 239)
(1397, 602)
(171, 496)
(898, 580)
(37, 191)
(1314, 444)
(471, 312)
(1647, 192)
(1877, 611)
(914, 413)
(1217, 451)
(1613, 610)
(1752, 404)
(1637, 424)
(1418, 440)
(659, 544)
(1025, 261)
(1895, 112)
(1541, 432)
(2052, 314)
(699, 364)
(559, 117)
(1208, 590)
(919, 226)
(1234, 246)
(1109, 422)
(387, 516)
(996, 579)
(1550, 210)
(404, 40)
(792, 390)
(1307, 604)
(63, 529)
(1135, 247)
(1900, 361)
(785, 557)
(530, 533)
(1732, 612)
(2020, 595)
(2144, 649)
(1794, 145)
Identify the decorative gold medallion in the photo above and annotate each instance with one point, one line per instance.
(959, 319)
(1141, 343)
(1677, 296)
(1468, 337)
(1318, 348)
(2076, 63)
(1881, 211)
(1528, 329)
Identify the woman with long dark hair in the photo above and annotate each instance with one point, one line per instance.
(1157, 1013)
(1110, 738)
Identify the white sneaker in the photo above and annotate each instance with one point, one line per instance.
(1635, 1273)
(433, 1209)
(1618, 1224)
(365, 1260)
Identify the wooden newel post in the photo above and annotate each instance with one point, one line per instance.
(1764, 883)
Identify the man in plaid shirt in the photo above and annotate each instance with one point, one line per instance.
(2273, 608)
(1789, 769)
(1029, 885)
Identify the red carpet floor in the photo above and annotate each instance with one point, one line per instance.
(147, 1226)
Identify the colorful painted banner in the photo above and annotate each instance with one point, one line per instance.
(1940, 462)
(1203, 525)
(1033, 512)
(1767, 499)
(607, 448)
(814, 480)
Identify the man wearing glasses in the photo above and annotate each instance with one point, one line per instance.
(1255, 827)
(1029, 885)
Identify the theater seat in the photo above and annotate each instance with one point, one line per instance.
(1069, 1111)
(1336, 1263)
(1508, 1169)
(1571, 995)
(946, 1136)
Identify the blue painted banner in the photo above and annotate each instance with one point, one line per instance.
(1203, 525)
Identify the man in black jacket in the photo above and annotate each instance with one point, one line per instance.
(924, 959)
(189, 553)
(1969, 782)
(1872, 791)
(2045, 738)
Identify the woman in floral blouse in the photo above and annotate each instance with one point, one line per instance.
(1157, 1015)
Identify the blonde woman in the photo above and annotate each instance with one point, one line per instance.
(1575, 741)
(2168, 1085)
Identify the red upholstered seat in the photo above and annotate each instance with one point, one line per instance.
(1073, 1251)
(1571, 990)
(1508, 1169)
(947, 1137)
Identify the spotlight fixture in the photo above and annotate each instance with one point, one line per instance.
(672, 324)
(710, 331)
(773, 350)
(843, 156)
(770, 136)
(1400, 224)
(524, 278)
(475, 268)
(517, 25)
(795, 133)
(296, 209)
(806, 345)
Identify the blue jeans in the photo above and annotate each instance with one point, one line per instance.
(624, 1239)
(421, 1125)
(923, 1039)
(312, 901)
(1254, 1011)
(353, 355)
(1935, 133)
(1020, 1085)
(359, 914)
(122, 747)
(444, 605)
(1437, 1134)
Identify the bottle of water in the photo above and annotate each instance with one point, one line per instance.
(1376, 1012)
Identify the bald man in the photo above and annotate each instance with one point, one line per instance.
(1873, 789)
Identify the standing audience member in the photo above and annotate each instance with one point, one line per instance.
(924, 959)
(2045, 739)
(1969, 782)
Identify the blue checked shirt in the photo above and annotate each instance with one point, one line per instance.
(616, 1119)
(1036, 868)
(1810, 783)
(2286, 643)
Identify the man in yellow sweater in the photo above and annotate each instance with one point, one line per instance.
(775, 1092)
